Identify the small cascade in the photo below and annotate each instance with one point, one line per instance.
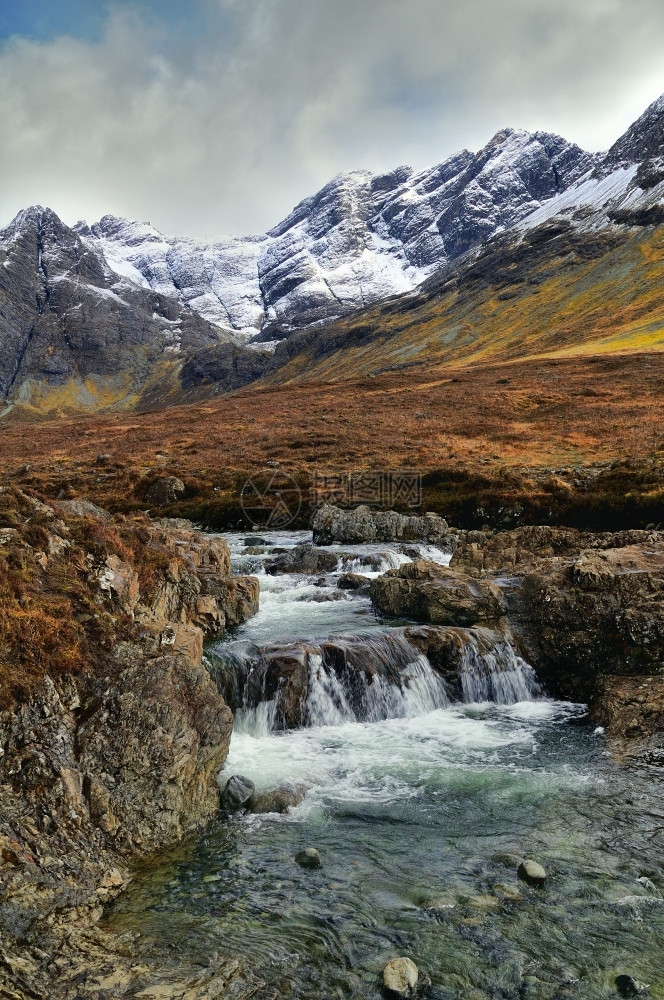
(490, 670)
(373, 563)
(360, 678)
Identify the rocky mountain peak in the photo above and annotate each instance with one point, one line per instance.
(642, 140)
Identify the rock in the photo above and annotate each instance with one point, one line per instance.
(83, 508)
(441, 904)
(400, 977)
(279, 800)
(255, 540)
(165, 490)
(593, 628)
(227, 366)
(354, 581)
(103, 459)
(237, 793)
(429, 592)
(523, 549)
(508, 893)
(531, 872)
(627, 986)
(309, 857)
(331, 524)
(303, 558)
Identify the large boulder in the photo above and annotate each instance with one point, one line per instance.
(331, 524)
(599, 617)
(429, 592)
(303, 558)
(165, 490)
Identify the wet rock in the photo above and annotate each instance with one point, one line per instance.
(309, 857)
(593, 628)
(165, 490)
(531, 872)
(429, 592)
(441, 904)
(400, 977)
(279, 800)
(508, 893)
(255, 540)
(354, 581)
(331, 524)
(484, 902)
(237, 793)
(628, 986)
(304, 558)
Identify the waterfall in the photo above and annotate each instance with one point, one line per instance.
(360, 678)
(367, 677)
(373, 563)
(490, 670)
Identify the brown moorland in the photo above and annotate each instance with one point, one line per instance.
(535, 435)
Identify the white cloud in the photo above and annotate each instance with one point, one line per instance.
(226, 130)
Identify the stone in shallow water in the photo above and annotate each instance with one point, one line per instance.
(484, 902)
(400, 976)
(531, 872)
(279, 800)
(441, 903)
(308, 858)
(628, 986)
(509, 893)
(237, 793)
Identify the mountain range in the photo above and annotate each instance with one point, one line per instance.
(480, 253)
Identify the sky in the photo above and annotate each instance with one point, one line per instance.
(208, 117)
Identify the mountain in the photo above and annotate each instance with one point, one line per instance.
(360, 239)
(500, 253)
(70, 327)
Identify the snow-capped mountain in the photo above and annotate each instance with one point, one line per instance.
(117, 315)
(360, 239)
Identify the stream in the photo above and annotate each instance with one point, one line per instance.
(420, 801)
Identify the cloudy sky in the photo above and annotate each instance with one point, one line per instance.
(217, 116)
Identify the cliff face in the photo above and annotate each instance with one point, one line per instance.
(112, 753)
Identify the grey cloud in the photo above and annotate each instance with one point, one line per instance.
(225, 132)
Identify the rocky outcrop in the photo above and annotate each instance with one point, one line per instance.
(525, 547)
(429, 592)
(332, 524)
(112, 754)
(601, 614)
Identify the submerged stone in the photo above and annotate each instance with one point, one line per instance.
(309, 857)
(400, 976)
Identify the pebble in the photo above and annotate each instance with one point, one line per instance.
(400, 976)
(308, 858)
(532, 872)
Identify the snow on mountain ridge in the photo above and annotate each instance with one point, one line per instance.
(363, 237)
